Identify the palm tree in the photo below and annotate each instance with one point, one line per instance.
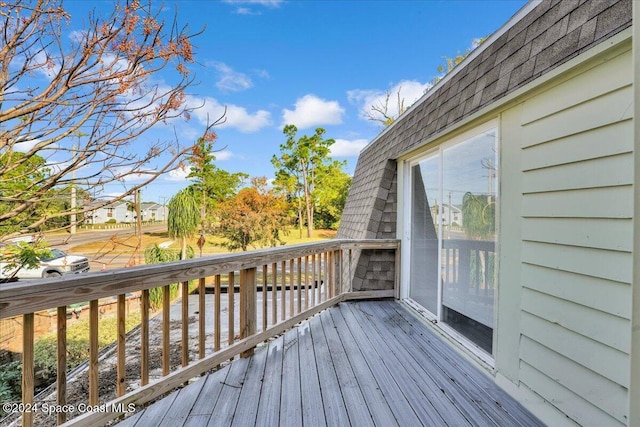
(183, 218)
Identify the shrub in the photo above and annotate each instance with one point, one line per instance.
(10, 383)
(111, 221)
(45, 348)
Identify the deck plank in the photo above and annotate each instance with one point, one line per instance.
(467, 395)
(291, 397)
(312, 409)
(355, 404)
(210, 393)
(472, 378)
(184, 401)
(419, 395)
(230, 394)
(334, 409)
(447, 383)
(380, 411)
(153, 415)
(247, 410)
(269, 405)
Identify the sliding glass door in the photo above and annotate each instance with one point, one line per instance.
(452, 273)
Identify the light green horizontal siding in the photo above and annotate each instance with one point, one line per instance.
(586, 396)
(576, 203)
(611, 202)
(609, 265)
(597, 233)
(600, 294)
(606, 361)
(594, 173)
(597, 325)
(580, 118)
(609, 140)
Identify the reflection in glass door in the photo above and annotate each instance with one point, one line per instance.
(453, 254)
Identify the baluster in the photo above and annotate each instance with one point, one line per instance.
(313, 280)
(61, 380)
(28, 329)
(93, 352)
(144, 337)
(216, 313)
(121, 347)
(283, 293)
(291, 290)
(231, 311)
(201, 316)
(166, 314)
(299, 285)
(306, 282)
(185, 323)
(274, 293)
(265, 295)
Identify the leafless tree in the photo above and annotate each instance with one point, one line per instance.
(80, 101)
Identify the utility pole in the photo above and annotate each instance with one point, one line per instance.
(138, 199)
(73, 218)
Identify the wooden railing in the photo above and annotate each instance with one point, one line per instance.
(277, 288)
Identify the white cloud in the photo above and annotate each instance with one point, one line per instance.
(223, 155)
(45, 65)
(312, 111)
(236, 117)
(410, 91)
(346, 148)
(230, 80)
(178, 174)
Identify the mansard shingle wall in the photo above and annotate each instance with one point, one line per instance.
(549, 35)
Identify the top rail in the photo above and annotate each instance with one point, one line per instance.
(28, 297)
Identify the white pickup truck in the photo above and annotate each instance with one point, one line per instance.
(56, 264)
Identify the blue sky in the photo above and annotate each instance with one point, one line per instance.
(312, 64)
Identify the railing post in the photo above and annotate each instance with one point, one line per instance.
(27, 367)
(248, 305)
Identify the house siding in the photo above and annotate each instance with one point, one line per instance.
(576, 156)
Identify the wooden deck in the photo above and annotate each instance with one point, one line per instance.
(358, 363)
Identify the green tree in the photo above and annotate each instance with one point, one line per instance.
(255, 216)
(182, 221)
(212, 185)
(331, 195)
(301, 159)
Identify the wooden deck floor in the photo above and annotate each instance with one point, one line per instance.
(358, 363)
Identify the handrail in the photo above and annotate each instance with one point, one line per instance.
(303, 279)
(27, 297)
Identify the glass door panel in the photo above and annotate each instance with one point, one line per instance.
(469, 184)
(423, 286)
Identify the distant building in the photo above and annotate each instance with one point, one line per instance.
(120, 211)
